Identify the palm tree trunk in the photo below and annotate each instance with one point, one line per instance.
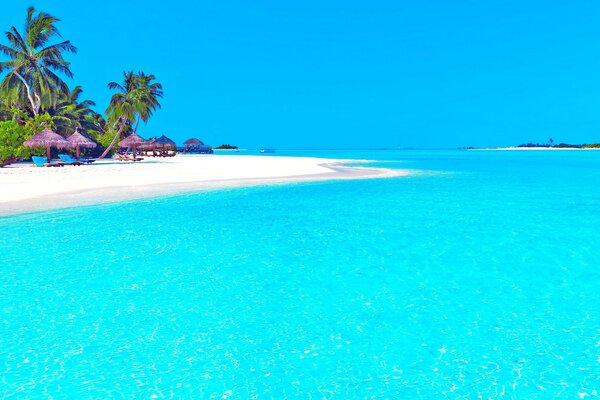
(110, 146)
(35, 107)
(136, 124)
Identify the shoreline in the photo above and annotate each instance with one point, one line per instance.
(106, 182)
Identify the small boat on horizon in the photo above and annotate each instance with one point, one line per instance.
(267, 150)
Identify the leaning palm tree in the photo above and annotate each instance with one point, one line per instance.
(34, 65)
(136, 99)
(150, 92)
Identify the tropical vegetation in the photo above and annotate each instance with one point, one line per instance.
(12, 136)
(34, 94)
(226, 146)
(561, 145)
(136, 99)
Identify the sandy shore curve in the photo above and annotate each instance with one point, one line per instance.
(25, 188)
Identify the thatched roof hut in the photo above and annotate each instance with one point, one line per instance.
(193, 142)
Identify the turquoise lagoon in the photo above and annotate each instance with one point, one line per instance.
(477, 278)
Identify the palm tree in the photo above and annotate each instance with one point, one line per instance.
(149, 93)
(69, 111)
(34, 65)
(136, 99)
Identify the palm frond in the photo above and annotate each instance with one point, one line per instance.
(17, 40)
(8, 51)
(115, 85)
(59, 66)
(58, 48)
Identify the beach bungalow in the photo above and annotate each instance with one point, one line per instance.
(194, 145)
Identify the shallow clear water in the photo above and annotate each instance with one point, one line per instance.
(477, 278)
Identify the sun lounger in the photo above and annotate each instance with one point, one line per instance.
(42, 162)
(127, 157)
(68, 160)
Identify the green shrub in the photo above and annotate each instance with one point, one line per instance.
(12, 136)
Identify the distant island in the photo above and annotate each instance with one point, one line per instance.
(561, 146)
(549, 145)
(226, 147)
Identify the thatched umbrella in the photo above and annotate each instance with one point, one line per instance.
(148, 144)
(164, 141)
(78, 140)
(158, 143)
(47, 139)
(134, 140)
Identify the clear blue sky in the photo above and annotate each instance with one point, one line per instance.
(313, 74)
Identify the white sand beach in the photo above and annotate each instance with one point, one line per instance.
(25, 188)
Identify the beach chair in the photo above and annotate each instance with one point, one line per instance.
(86, 160)
(127, 157)
(68, 160)
(122, 157)
(42, 162)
